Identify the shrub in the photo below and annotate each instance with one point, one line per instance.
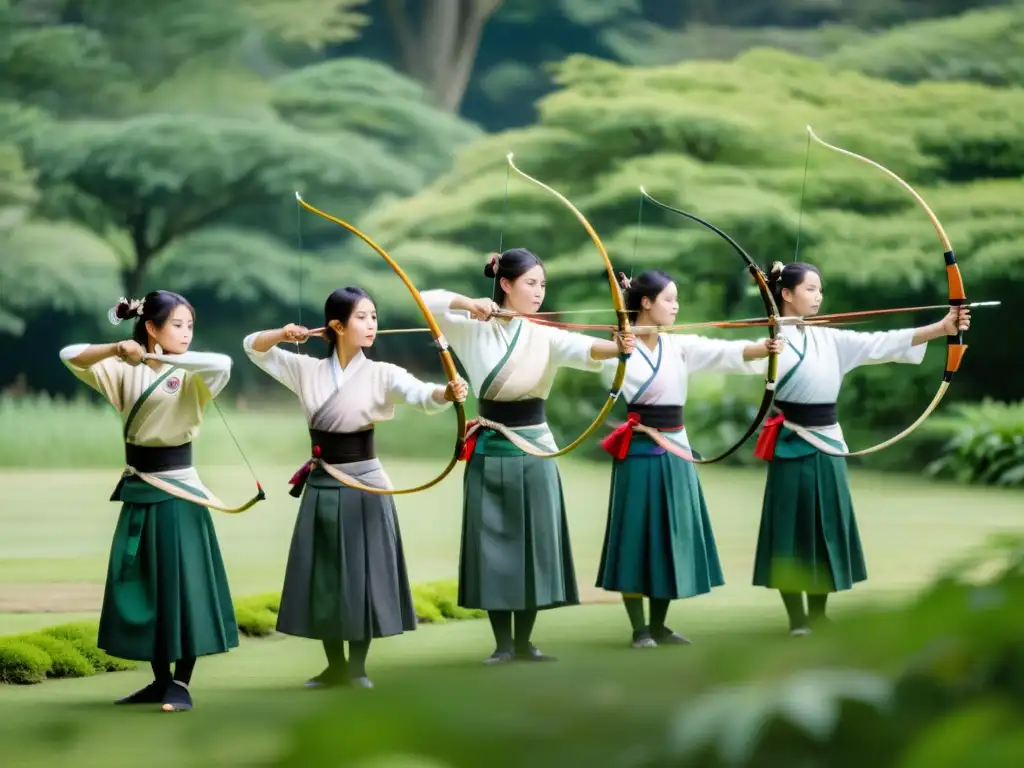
(82, 636)
(65, 659)
(70, 650)
(21, 663)
(987, 444)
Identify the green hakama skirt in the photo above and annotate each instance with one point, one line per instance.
(166, 596)
(808, 540)
(515, 553)
(658, 541)
(346, 577)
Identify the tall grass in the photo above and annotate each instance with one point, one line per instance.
(42, 431)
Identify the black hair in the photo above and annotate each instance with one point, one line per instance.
(647, 285)
(511, 265)
(155, 307)
(788, 276)
(339, 306)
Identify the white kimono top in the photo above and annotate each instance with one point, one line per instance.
(509, 359)
(815, 360)
(661, 377)
(169, 414)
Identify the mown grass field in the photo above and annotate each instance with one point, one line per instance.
(433, 698)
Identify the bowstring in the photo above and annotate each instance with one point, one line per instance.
(803, 189)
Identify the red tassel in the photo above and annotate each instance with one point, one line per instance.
(617, 443)
(469, 446)
(765, 447)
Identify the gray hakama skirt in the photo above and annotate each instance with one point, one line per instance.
(346, 578)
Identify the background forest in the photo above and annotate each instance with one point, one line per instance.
(159, 145)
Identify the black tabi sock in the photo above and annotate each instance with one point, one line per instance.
(161, 672)
(816, 606)
(357, 651)
(501, 625)
(635, 611)
(183, 670)
(659, 610)
(524, 628)
(794, 602)
(334, 650)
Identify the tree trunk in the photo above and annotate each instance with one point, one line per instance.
(440, 50)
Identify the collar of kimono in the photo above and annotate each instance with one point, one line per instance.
(620, 311)
(446, 360)
(955, 346)
(772, 312)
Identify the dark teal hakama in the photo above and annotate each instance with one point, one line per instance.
(166, 596)
(808, 541)
(515, 553)
(658, 541)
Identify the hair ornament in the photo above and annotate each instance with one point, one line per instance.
(124, 309)
(492, 262)
(625, 282)
(777, 267)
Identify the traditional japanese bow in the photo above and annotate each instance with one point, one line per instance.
(772, 312)
(955, 346)
(623, 326)
(446, 360)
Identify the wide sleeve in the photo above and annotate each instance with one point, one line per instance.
(458, 326)
(572, 350)
(105, 377)
(288, 368)
(211, 368)
(406, 389)
(856, 348)
(700, 353)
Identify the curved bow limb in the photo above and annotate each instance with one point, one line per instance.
(623, 325)
(212, 503)
(772, 321)
(446, 360)
(955, 347)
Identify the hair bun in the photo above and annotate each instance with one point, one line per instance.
(491, 268)
(125, 309)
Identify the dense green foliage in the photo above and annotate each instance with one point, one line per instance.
(162, 149)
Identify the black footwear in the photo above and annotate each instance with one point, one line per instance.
(499, 657)
(177, 698)
(151, 694)
(532, 653)
(642, 639)
(329, 678)
(361, 682)
(666, 636)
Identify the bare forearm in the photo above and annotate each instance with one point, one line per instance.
(603, 350)
(755, 352)
(461, 303)
(93, 354)
(927, 333)
(267, 340)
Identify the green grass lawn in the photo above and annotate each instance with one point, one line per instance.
(55, 530)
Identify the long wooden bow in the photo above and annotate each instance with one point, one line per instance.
(772, 312)
(446, 360)
(620, 311)
(955, 347)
